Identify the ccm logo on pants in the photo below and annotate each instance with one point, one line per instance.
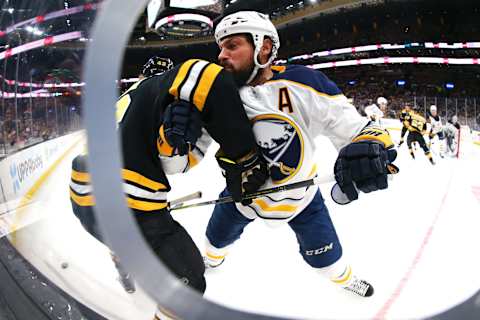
(319, 250)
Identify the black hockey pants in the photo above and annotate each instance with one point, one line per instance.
(167, 238)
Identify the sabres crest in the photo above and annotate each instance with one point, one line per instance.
(281, 144)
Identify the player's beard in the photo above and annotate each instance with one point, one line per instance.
(241, 76)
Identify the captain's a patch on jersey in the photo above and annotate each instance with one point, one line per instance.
(281, 144)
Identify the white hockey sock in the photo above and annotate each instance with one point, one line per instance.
(214, 256)
(339, 272)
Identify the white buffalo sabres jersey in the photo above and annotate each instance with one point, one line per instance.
(374, 113)
(288, 112)
(435, 123)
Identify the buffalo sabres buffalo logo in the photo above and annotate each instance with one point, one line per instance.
(281, 144)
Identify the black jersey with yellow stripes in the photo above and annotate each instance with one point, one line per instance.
(415, 122)
(404, 114)
(140, 115)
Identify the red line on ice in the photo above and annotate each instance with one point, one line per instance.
(406, 277)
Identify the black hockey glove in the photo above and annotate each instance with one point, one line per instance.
(246, 175)
(365, 163)
(182, 126)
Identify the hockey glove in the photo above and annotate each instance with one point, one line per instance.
(365, 163)
(243, 176)
(181, 128)
(400, 143)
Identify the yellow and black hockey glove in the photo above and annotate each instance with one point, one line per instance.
(181, 128)
(245, 175)
(365, 163)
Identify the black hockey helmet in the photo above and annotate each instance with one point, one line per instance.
(156, 65)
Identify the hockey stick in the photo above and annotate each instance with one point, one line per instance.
(181, 200)
(260, 193)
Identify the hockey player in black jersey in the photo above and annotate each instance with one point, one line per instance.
(156, 65)
(404, 115)
(160, 120)
(416, 125)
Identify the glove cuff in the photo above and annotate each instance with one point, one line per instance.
(374, 133)
(163, 147)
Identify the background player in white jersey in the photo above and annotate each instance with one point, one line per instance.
(289, 107)
(377, 111)
(452, 131)
(436, 130)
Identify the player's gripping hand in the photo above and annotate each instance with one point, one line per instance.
(400, 143)
(245, 175)
(181, 128)
(364, 163)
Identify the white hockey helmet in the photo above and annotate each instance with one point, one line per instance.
(433, 108)
(381, 100)
(255, 23)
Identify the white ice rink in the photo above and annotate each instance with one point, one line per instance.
(416, 242)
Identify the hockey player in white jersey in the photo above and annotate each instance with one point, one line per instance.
(375, 112)
(289, 107)
(436, 130)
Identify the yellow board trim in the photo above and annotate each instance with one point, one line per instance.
(80, 176)
(204, 85)
(267, 208)
(33, 191)
(83, 201)
(136, 177)
(182, 72)
(145, 205)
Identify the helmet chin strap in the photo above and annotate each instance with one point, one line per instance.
(258, 65)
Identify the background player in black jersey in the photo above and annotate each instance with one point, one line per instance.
(156, 65)
(404, 115)
(160, 119)
(416, 126)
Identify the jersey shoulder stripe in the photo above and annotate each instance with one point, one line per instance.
(308, 77)
(194, 80)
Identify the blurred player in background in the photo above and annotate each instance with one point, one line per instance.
(375, 112)
(452, 132)
(436, 130)
(156, 65)
(416, 125)
(404, 115)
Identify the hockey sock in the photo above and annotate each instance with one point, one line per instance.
(411, 152)
(214, 256)
(341, 274)
(429, 156)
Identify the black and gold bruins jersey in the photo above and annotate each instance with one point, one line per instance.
(404, 114)
(415, 122)
(140, 115)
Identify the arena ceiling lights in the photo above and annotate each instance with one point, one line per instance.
(183, 25)
(384, 46)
